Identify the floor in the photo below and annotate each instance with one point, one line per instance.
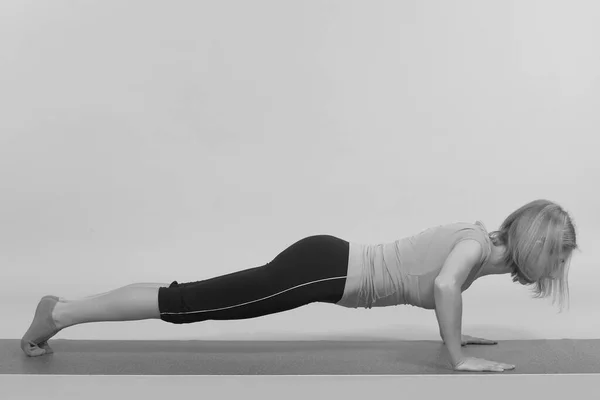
(82, 357)
(270, 367)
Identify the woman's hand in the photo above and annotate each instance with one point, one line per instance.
(472, 364)
(466, 339)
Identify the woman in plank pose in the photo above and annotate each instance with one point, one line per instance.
(429, 270)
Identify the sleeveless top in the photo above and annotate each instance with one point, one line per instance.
(404, 271)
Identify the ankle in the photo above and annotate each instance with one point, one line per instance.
(59, 315)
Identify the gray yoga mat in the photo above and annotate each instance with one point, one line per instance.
(142, 357)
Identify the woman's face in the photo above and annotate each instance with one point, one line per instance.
(523, 280)
(557, 274)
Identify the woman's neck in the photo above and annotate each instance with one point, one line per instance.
(495, 264)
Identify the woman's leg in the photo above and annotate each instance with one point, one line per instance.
(129, 303)
(149, 285)
(311, 270)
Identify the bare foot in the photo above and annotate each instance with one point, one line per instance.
(35, 341)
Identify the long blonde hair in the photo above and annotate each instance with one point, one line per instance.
(534, 237)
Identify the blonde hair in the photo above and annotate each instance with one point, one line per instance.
(535, 235)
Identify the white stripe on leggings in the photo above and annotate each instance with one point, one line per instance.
(253, 301)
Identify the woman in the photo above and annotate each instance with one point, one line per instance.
(428, 270)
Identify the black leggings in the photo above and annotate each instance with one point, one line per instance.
(311, 270)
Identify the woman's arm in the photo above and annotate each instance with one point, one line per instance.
(448, 310)
(448, 296)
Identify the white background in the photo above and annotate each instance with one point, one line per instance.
(152, 141)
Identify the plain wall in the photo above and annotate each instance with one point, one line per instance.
(153, 141)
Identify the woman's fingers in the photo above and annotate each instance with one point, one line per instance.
(475, 340)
